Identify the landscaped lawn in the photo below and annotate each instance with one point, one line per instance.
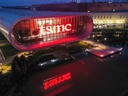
(2, 37)
(4, 67)
(8, 50)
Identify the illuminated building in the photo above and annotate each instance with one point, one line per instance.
(83, 7)
(109, 19)
(104, 14)
(29, 30)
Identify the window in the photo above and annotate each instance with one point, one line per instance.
(120, 16)
(104, 17)
(101, 17)
(114, 5)
(98, 5)
(107, 17)
(90, 5)
(98, 17)
(110, 16)
(108, 5)
(95, 17)
(121, 5)
(45, 30)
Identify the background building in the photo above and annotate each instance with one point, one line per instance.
(104, 14)
(109, 19)
(83, 7)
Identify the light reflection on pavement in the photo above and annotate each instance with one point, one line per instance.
(34, 85)
(101, 50)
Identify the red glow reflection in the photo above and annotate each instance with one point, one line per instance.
(57, 80)
(56, 28)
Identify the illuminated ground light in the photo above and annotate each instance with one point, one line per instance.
(54, 60)
(41, 64)
(101, 55)
(113, 9)
(87, 50)
(67, 58)
(112, 52)
(120, 49)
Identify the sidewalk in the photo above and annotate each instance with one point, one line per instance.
(5, 62)
(3, 42)
(101, 50)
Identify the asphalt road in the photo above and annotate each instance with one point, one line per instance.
(1, 58)
(2, 42)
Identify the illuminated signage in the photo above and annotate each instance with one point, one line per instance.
(56, 28)
(57, 80)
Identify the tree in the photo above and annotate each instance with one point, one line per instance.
(13, 66)
(17, 60)
(23, 59)
(24, 68)
(125, 33)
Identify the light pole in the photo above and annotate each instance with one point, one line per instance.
(97, 43)
(1, 66)
(93, 36)
(105, 40)
(2, 54)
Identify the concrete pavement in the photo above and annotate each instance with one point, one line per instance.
(101, 50)
(1, 54)
(3, 42)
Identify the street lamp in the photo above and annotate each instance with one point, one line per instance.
(93, 36)
(97, 43)
(105, 40)
(1, 66)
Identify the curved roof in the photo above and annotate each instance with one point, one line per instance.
(9, 16)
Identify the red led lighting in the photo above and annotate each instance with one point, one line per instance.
(57, 80)
(56, 28)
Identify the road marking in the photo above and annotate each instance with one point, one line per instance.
(77, 60)
(80, 61)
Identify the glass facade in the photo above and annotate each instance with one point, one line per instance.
(42, 30)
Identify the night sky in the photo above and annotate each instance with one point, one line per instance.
(31, 2)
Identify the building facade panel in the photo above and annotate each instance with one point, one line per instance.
(36, 33)
(29, 30)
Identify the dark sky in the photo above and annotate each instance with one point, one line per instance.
(31, 2)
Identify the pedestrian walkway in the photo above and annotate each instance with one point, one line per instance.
(7, 61)
(7, 70)
(101, 50)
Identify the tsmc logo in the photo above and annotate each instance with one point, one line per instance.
(57, 28)
(57, 80)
